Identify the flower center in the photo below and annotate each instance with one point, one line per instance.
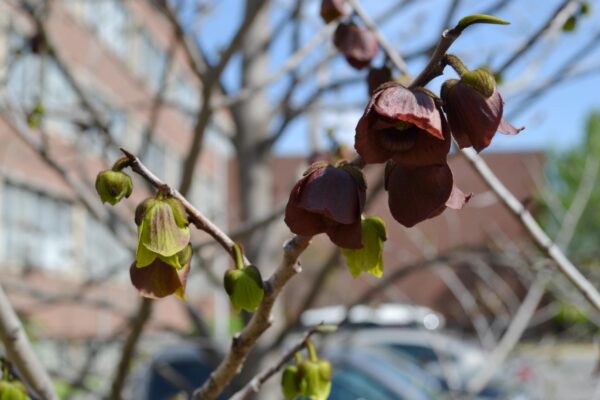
(399, 138)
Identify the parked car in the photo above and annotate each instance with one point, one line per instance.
(377, 374)
(452, 360)
(175, 372)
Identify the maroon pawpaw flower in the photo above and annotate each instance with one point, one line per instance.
(329, 200)
(357, 44)
(404, 125)
(332, 9)
(417, 194)
(474, 108)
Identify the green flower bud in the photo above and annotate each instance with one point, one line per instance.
(369, 259)
(315, 379)
(244, 287)
(159, 234)
(290, 383)
(570, 24)
(112, 186)
(481, 80)
(13, 390)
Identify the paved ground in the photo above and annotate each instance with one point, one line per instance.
(559, 372)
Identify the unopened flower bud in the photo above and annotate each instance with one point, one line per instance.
(112, 186)
(12, 390)
(244, 287)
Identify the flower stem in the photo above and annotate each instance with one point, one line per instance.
(312, 352)
(456, 64)
(239, 256)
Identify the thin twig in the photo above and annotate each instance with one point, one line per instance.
(389, 50)
(253, 387)
(434, 68)
(260, 321)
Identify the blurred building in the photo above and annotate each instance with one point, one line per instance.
(120, 53)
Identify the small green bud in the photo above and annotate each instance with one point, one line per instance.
(289, 383)
(13, 390)
(315, 379)
(585, 8)
(112, 186)
(481, 80)
(570, 24)
(244, 287)
(35, 116)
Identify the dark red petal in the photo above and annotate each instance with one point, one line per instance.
(458, 199)
(426, 150)
(158, 279)
(418, 108)
(473, 119)
(358, 45)
(416, 194)
(332, 193)
(506, 128)
(365, 141)
(332, 9)
(346, 236)
(300, 221)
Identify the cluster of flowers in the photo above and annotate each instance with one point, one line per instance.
(410, 129)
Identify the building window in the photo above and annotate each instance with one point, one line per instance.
(156, 158)
(100, 241)
(37, 229)
(153, 61)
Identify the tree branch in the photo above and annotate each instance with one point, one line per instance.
(253, 387)
(21, 353)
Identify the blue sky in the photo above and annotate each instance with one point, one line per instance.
(555, 120)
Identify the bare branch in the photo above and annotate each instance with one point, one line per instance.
(20, 351)
(142, 316)
(556, 20)
(260, 321)
(253, 387)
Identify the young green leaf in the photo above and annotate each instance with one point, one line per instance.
(478, 19)
(369, 259)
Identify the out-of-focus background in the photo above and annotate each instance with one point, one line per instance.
(228, 101)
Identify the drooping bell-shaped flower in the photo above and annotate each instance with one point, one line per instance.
(113, 186)
(329, 200)
(332, 9)
(162, 231)
(358, 45)
(417, 194)
(474, 108)
(314, 375)
(402, 124)
(159, 279)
